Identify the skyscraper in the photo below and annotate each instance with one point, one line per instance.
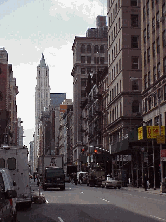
(42, 99)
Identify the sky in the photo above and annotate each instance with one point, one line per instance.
(29, 28)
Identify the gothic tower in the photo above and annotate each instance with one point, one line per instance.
(42, 99)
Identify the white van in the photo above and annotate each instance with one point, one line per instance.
(15, 159)
(8, 195)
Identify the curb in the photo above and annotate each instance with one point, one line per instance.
(148, 191)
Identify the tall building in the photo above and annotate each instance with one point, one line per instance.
(89, 56)
(153, 34)
(124, 102)
(42, 100)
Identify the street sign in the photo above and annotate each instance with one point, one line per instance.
(161, 139)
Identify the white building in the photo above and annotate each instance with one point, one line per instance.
(42, 100)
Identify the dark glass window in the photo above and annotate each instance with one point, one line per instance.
(164, 65)
(88, 70)
(144, 36)
(154, 74)
(82, 59)
(157, 19)
(145, 58)
(158, 45)
(148, 54)
(82, 70)
(158, 70)
(88, 48)
(154, 49)
(134, 41)
(96, 48)
(96, 60)
(148, 79)
(134, 3)
(2, 163)
(164, 92)
(101, 60)
(145, 82)
(164, 38)
(134, 62)
(135, 85)
(102, 49)
(134, 20)
(82, 48)
(148, 32)
(11, 163)
(1, 96)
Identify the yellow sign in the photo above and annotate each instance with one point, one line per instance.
(161, 139)
(140, 133)
(153, 131)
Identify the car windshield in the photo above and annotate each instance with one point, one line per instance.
(54, 172)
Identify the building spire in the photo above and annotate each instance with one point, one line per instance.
(42, 61)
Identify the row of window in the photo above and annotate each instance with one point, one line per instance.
(11, 163)
(153, 100)
(88, 49)
(117, 111)
(156, 121)
(146, 9)
(115, 9)
(116, 70)
(156, 74)
(97, 60)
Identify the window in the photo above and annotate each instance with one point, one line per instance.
(134, 62)
(148, 32)
(154, 49)
(120, 86)
(117, 68)
(154, 74)
(88, 70)
(119, 23)
(144, 13)
(158, 45)
(145, 82)
(2, 163)
(144, 36)
(156, 120)
(120, 109)
(148, 79)
(145, 58)
(155, 100)
(88, 59)
(119, 44)
(82, 59)
(158, 70)
(153, 24)
(146, 107)
(134, 20)
(135, 85)
(163, 11)
(88, 48)
(83, 82)
(120, 67)
(134, 3)
(152, 3)
(82, 48)
(150, 103)
(135, 106)
(102, 49)
(96, 60)
(82, 70)
(101, 60)
(96, 48)
(149, 122)
(157, 19)
(134, 42)
(117, 89)
(148, 54)
(164, 65)
(83, 93)
(164, 92)
(110, 96)
(11, 163)
(147, 8)
(164, 38)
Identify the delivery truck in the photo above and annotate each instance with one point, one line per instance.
(15, 159)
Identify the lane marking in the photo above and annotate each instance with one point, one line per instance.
(47, 201)
(60, 219)
(158, 218)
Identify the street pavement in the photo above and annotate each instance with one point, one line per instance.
(94, 204)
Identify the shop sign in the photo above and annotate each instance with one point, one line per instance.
(153, 131)
(140, 133)
(161, 139)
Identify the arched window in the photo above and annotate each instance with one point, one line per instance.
(96, 48)
(102, 49)
(88, 48)
(135, 106)
(2, 163)
(82, 48)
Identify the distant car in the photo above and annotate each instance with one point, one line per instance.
(67, 178)
(111, 182)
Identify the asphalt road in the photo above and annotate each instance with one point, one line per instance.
(91, 204)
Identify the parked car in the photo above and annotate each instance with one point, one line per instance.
(8, 212)
(111, 182)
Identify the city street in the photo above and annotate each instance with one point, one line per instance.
(82, 203)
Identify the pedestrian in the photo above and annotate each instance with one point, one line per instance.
(145, 182)
(75, 178)
(34, 176)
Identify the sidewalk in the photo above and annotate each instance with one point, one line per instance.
(35, 192)
(141, 189)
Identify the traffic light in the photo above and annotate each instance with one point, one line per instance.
(95, 151)
(82, 150)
